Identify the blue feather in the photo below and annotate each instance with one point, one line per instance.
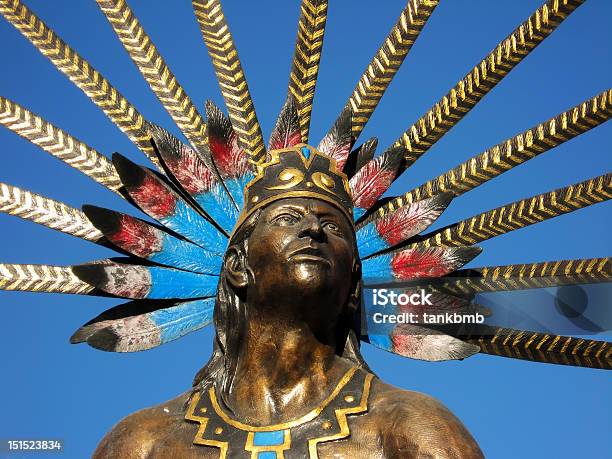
(358, 212)
(172, 283)
(369, 241)
(377, 269)
(236, 187)
(126, 328)
(183, 255)
(219, 206)
(179, 320)
(187, 222)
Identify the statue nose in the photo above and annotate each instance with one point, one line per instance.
(311, 226)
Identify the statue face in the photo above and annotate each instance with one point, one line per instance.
(301, 251)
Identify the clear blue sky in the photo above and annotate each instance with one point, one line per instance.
(51, 389)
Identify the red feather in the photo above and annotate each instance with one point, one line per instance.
(373, 179)
(136, 237)
(230, 159)
(185, 163)
(406, 342)
(338, 142)
(430, 262)
(153, 196)
(407, 221)
(339, 153)
(191, 172)
(423, 343)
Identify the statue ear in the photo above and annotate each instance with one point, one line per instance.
(355, 296)
(354, 299)
(236, 269)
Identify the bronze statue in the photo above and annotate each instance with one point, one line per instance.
(275, 244)
(287, 375)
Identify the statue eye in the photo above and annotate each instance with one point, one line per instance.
(285, 220)
(331, 226)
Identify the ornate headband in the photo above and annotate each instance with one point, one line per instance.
(297, 172)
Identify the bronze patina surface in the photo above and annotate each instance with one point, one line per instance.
(297, 274)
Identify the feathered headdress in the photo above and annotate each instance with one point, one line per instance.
(197, 194)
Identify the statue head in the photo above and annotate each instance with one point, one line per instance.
(292, 258)
(300, 255)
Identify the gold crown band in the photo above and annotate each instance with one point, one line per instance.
(294, 173)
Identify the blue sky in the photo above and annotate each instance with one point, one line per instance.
(51, 389)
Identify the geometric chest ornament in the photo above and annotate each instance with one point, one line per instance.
(295, 439)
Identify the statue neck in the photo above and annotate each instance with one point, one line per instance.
(284, 369)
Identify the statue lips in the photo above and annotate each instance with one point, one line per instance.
(308, 253)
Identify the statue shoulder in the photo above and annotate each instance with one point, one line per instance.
(418, 425)
(159, 431)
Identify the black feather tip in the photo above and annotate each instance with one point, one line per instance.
(104, 339)
(132, 175)
(466, 254)
(219, 125)
(287, 127)
(94, 275)
(442, 200)
(360, 156)
(106, 220)
(366, 152)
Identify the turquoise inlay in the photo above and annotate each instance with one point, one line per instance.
(179, 320)
(369, 241)
(276, 437)
(306, 152)
(266, 455)
(173, 283)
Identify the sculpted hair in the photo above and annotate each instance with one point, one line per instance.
(230, 319)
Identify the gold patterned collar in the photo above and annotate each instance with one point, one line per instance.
(297, 438)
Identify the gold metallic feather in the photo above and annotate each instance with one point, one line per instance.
(542, 347)
(528, 276)
(306, 58)
(44, 211)
(449, 110)
(523, 213)
(387, 61)
(520, 148)
(155, 71)
(81, 73)
(59, 143)
(234, 88)
(483, 77)
(41, 278)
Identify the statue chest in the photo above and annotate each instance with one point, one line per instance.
(298, 438)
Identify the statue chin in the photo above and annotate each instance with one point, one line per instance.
(309, 277)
